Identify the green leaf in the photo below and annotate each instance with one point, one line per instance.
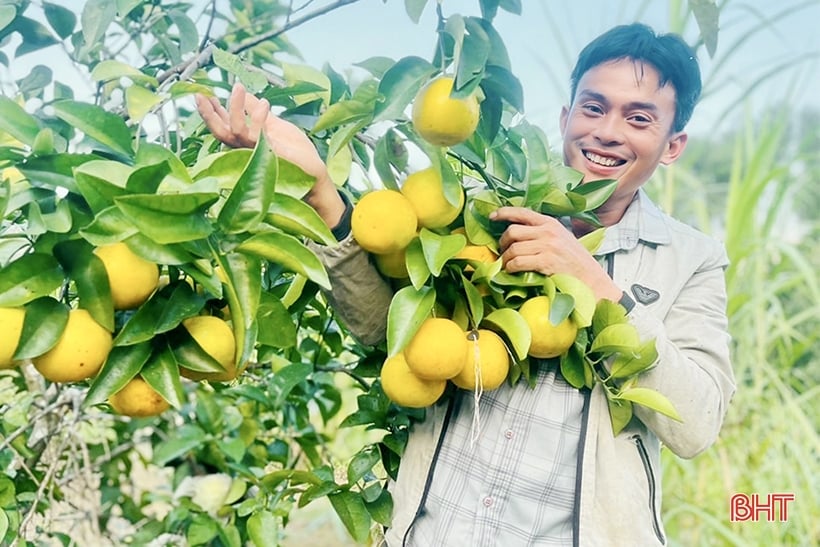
(7, 15)
(37, 79)
(595, 193)
(31, 276)
(390, 156)
(43, 325)
(651, 399)
(225, 167)
(201, 530)
(61, 19)
(159, 254)
(475, 302)
(353, 513)
(276, 326)
(358, 108)
(187, 31)
(289, 252)
(170, 218)
(95, 18)
(110, 69)
(186, 438)
(408, 310)
(414, 9)
(501, 82)
(417, 268)
(89, 276)
(475, 49)
(584, 299)
(243, 287)
(293, 181)
(17, 122)
(572, 368)
(288, 378)
(707, 16)
(106, 128)
(362, 463)
(162, 312)
(620, 413)
(35, 35)
(152, 154)
(622, 337)
(101, 181)
(139, 101)
(122, 364)
(263, 529)
(438, 249)
(607, 313)
(251, 198)
(626, 365)
(592, 240)
(303, 73)
(514, 327)
(294, 216)
(55, 170)
(381, 509)
(399, 86)
(187, 353)
(539, 170)
(147, 178)
(162, 373)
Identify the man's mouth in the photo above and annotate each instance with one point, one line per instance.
(604, 161)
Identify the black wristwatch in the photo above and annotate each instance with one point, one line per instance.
(626, 301)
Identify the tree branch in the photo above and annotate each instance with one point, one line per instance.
(184, 69)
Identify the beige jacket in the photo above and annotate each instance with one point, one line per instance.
(676, 276)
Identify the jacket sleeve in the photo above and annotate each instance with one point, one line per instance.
(359, 295)
(693, 369)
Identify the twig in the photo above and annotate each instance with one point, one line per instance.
(184, 69)
(206, 35)
(247, 44)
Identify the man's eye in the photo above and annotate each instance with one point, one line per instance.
(639, 118)
(593, 108)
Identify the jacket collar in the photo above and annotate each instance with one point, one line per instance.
(642, 222)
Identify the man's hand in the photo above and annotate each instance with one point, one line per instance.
(540, 243)
(240, 125)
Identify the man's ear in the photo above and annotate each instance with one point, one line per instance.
(674, 147)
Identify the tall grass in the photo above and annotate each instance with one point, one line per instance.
(769, 443)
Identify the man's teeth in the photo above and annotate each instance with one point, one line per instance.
(602, 160)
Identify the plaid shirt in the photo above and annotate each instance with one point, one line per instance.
(513, 481)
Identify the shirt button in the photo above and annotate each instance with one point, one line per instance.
(509, 434)
(488, 501)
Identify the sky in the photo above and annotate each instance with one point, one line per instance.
(544, 40)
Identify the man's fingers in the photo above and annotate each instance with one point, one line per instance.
(258, 115)
(517, 215)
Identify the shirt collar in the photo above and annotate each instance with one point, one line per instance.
(642, 222)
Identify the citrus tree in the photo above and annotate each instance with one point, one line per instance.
(161, 307)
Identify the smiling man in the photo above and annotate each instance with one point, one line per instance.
(546, 468)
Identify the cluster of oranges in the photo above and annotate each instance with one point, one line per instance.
(386, 221)
(84, 345)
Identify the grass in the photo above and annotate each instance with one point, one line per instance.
(769, 443)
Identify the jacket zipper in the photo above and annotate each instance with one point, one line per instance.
(429, 480)
(579, 467)
(650, 477)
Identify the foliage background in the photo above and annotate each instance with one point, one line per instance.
(746, 177)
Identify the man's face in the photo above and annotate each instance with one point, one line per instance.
(619, 125)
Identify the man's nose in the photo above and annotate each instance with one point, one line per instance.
(608, 130)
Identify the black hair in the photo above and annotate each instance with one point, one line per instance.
(669, 54)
